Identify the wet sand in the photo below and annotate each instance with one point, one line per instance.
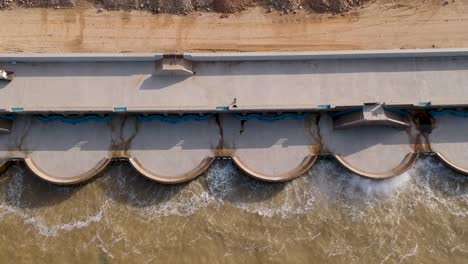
(328, 216)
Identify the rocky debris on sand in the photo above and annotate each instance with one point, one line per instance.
(47, 3)
(334, 6)
(177, 6)
(187, 6)
(287, 6)
(231, 6)
(5, 3)
(158, 6)
(120, 4)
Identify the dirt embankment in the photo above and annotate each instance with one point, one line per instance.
(187, 6)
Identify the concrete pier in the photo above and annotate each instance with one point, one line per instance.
(271, 113)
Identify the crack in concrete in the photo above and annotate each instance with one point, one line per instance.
(220, 148)
(312, 128)
(120, 145)
(242, 127)
(19, 142)
(422, 125)
(322, 147)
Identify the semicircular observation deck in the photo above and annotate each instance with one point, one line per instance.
(173, 152)
(272, 151)
(64, 153)
(371, 151)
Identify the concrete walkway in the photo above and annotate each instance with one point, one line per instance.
(374, 151)
(449, 139)
(271, 81)
(278, 151)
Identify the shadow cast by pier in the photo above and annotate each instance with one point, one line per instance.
(22, 189)
(124, 185)
(226, 182)
(155, 82)
(438, 177)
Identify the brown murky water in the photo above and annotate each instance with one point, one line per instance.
(328, 216)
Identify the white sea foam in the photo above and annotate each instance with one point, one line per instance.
(12, 205)
(227, 185)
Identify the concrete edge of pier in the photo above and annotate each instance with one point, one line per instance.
(450, 164)
(200, 169)
(305, 165)
(406, 164)
(4, 165)
(234, 56)
(301, 170)
(100, 167)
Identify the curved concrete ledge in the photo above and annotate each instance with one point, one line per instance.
(3, 166)
(100, 166)
(451, 164)
(407, 162)
(185, 177)
(305, 165)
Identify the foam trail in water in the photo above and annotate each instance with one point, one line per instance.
(227, 184)
(152, 199)
(12, 205)
(439, 188)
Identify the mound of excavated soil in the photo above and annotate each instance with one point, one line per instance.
(120, 4)
(286, 4)
(187, 6)
(46, 3)
(334, 6)
(4, 3)
(231, 6)
(158, 6)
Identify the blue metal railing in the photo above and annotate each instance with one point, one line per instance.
(448, 112)
(175, 120)
(72, 120)
(271, 118)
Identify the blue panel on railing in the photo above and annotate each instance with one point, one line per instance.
(120, 109)
(222, 108)
(17, 109)
(324, 106)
